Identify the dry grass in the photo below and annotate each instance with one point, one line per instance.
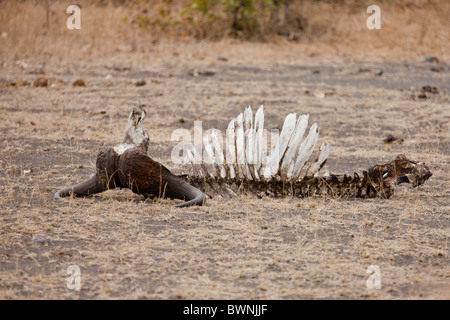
(243, 248)
(410, 30)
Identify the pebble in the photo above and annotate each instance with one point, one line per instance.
(40, 82)
(79, 83)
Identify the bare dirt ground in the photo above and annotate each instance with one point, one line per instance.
(243, 248)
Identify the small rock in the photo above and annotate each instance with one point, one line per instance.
(363, 70)
(437, 69)
(422, 95)
(431, 59)
(430, 89)
(40, 82)
(391, 139)
(140, 83)
(379, 72)
(181, 120)
(20, 83)
(222, 59)
(79, 83)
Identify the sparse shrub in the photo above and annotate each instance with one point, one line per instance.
(248, 19)
(154, 15)
(215, 19)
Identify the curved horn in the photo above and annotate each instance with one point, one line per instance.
(88, 187)
(177, 188)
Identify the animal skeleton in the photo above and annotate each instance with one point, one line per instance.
(288, 169)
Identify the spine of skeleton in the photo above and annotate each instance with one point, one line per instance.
(243, 165)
